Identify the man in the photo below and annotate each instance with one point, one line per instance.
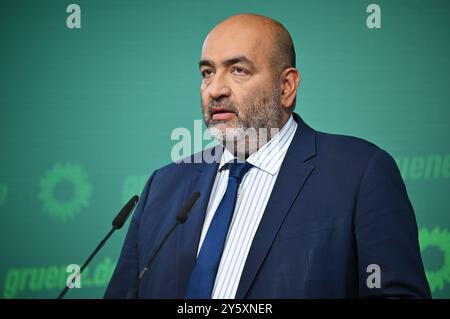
(303, 214)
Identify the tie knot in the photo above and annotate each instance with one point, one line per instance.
(238, 169)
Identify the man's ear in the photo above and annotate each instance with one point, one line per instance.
(290, 80)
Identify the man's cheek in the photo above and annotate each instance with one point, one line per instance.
(204, 108)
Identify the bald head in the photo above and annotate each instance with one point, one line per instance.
(249, 76)
(268, 32)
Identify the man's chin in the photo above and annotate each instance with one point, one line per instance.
(223, 131)
(218, 131)
(220, 125)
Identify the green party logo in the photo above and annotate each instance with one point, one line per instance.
(3, 194)
(65, 190)
(440, 240)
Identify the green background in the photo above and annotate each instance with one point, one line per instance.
(87, 114)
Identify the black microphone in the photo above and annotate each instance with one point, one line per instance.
(180, 219)
(117, 223)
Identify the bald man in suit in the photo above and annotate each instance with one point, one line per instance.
(302, 214)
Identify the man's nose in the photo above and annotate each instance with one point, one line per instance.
(218, 88)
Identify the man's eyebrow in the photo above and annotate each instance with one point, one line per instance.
(205, 63)
(228, 62)
(239, 59)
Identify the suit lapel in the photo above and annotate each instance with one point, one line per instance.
(190, 232)
(292, 176)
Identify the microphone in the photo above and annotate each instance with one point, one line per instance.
(117, 223)
(180, 219)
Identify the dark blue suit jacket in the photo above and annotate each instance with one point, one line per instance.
(339, 205)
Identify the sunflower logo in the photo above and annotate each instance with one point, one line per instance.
(66, 176)
(3, 194)
(439, 239)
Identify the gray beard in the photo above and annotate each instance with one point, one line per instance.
(254, 129)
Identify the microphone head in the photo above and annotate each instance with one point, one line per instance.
(122, 216)
(183, 215)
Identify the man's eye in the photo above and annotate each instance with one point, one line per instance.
(239, 71)
(206, 73)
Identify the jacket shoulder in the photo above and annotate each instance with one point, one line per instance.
(209, 156)
(345, 146)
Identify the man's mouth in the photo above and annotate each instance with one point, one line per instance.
(222, 113)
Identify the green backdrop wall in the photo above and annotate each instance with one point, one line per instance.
(87, 114)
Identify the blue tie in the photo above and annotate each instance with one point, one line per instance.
(203, 275)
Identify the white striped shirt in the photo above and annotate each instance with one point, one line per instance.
(253, 195)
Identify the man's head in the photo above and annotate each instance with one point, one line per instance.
(249, 75)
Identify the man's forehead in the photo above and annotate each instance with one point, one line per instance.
(222, 46)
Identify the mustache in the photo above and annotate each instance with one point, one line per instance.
(227, 104)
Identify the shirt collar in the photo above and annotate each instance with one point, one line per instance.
(271, 155)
